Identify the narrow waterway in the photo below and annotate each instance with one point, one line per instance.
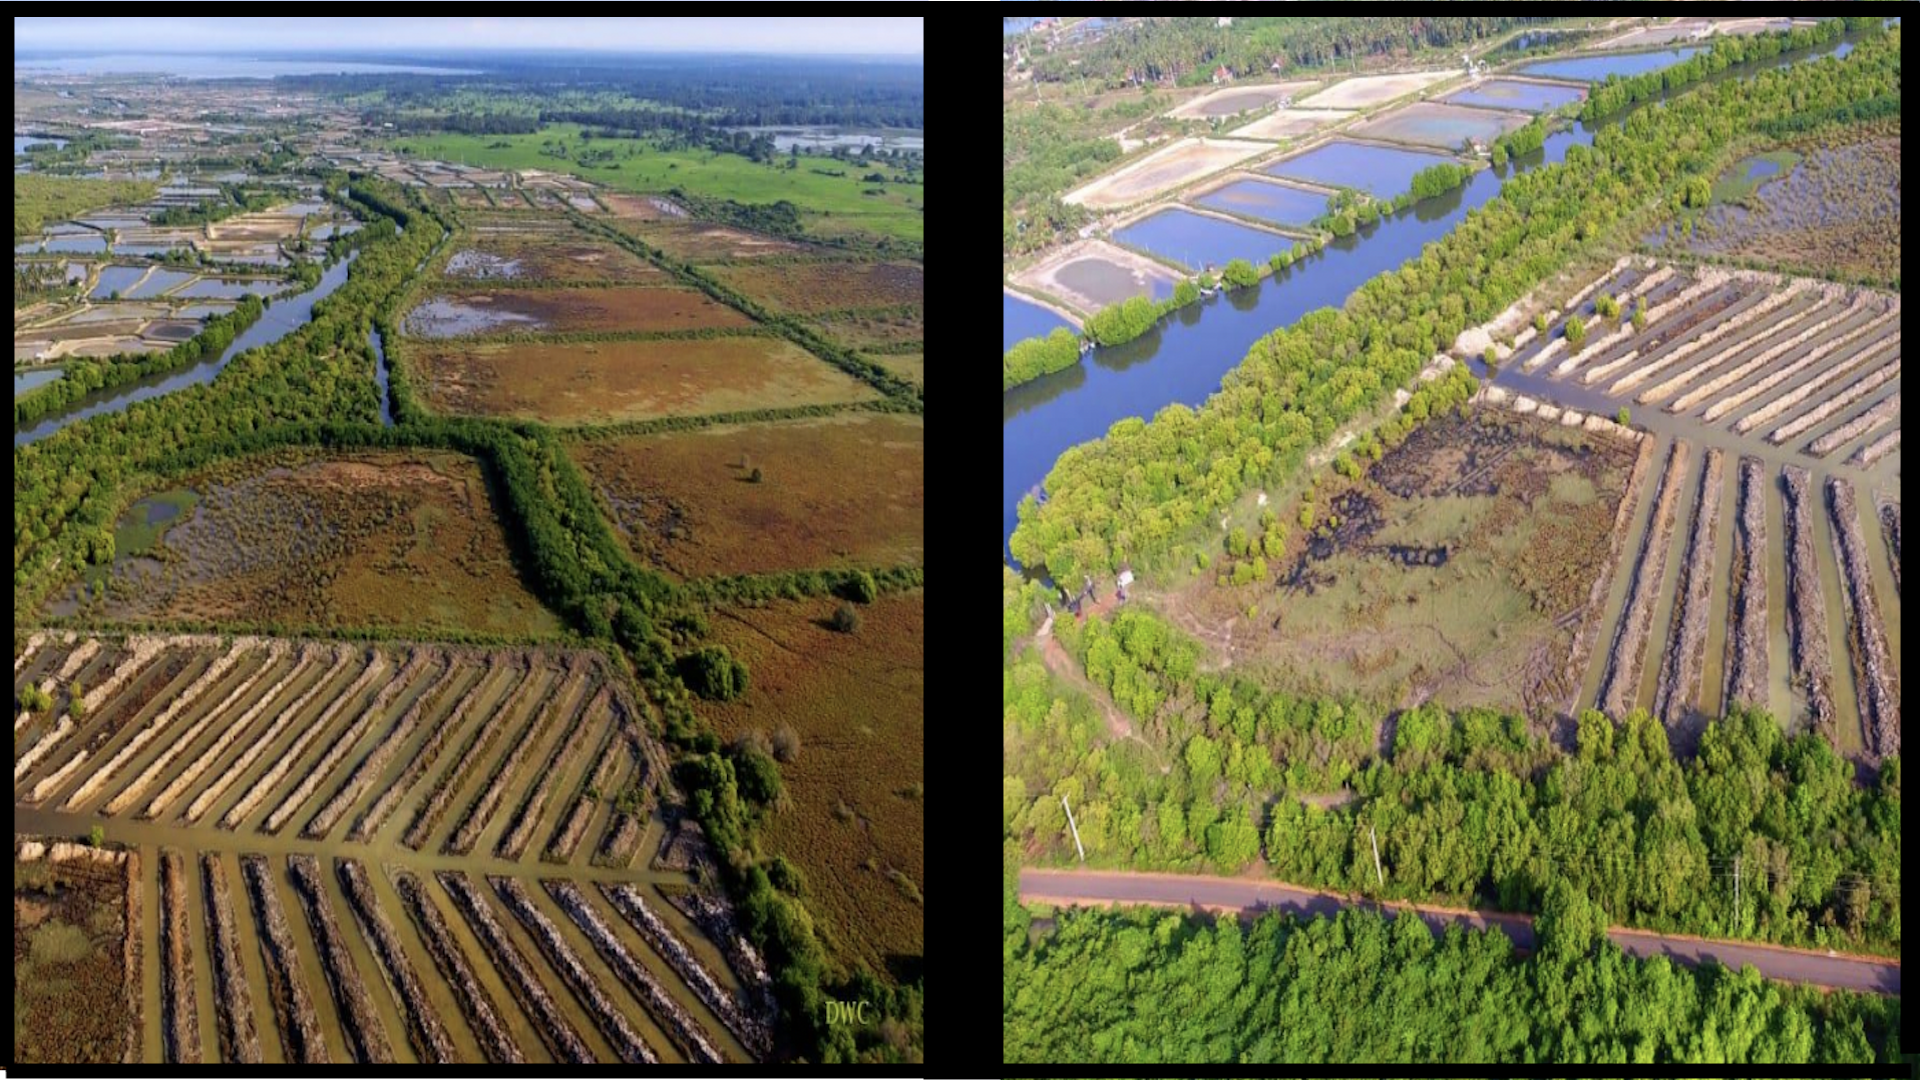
(380, 376)
(285, 316)
(1184, 358)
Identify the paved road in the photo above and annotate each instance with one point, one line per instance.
(1869, 974)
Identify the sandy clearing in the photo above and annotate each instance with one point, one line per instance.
(1367, 90)
(1231, 99)
(1168, 167)
(1287, 123)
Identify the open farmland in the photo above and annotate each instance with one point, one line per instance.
(1460, 568)
(372, 539)
(844, 489)
(606, 381)
(324, 850)
(826, 286)
(852, 821)
(1165, 168)
(1756, 577)
(830, 204)
(568, 310)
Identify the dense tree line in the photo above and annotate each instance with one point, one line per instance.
(1039, 356)
(1439, 179)
(1188, 49)
(1468, 807)
(84, 376)
(1133, 495)
(1141, 984)
(1619, 92)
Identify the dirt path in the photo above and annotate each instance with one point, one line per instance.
(1054, 655)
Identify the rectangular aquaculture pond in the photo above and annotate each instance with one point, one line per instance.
(1383, 171)
(1273, 202)
(1517, 94)
(1596, 68)
(1198, 241)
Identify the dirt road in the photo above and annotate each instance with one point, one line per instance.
(1863, 973)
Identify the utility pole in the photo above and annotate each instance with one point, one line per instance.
(1736, 894)
(1376, 858)
(1075, 828)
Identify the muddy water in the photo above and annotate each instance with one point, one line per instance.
(445, 317)
(283, 318)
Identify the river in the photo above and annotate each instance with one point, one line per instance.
(1184, 358)
(284, 317)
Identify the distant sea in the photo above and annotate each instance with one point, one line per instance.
(217, 67)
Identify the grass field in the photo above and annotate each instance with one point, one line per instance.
(403, 539)
(852, 819)
(911, 366)
(833, 490)
(1456, 569)
(835, 205)
(871, 330)
(813, 287)
(625, 380)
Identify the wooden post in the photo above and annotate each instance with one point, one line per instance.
(1075, 828)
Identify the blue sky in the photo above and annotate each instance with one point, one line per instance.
(777, 34)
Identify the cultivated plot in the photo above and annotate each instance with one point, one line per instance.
(825, 286)
(610, 381)
(836, 490)
(568, 310)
